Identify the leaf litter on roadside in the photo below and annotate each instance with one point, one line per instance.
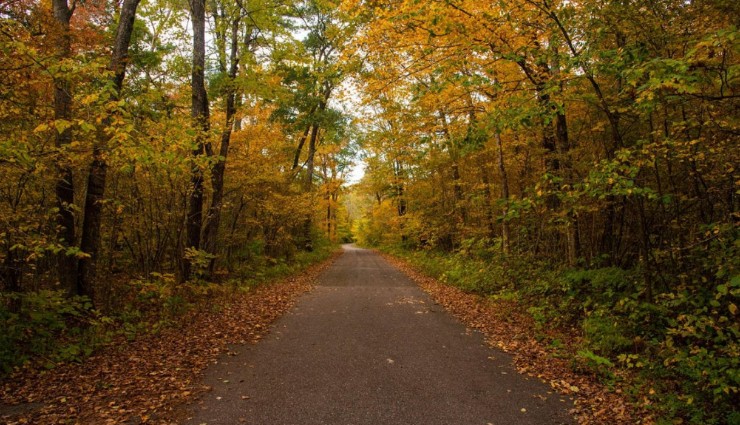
(507, 327)
(146, 380)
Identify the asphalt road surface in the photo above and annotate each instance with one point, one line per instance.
(367, 346)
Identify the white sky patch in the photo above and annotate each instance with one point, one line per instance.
(357, 173)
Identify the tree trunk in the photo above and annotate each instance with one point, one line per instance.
(217, 174)
(334, 199)
(199, 114)
(304, 137)
(574, 233)
(504, 194)
(487, 196)
(539, 74)
(399, 177)
(457, 189)
(400, 191)
(64, 188)
(608, 245)
(457, 192)
(90, 243)
(10, 272)
(299, 149)
(308, 185)
(327, 198)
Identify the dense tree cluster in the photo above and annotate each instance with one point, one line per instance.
(590, 136)
(137, 140)
(150, 148)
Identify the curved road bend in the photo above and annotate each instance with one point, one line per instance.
(367, 346)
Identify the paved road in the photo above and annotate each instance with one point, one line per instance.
(367, 346)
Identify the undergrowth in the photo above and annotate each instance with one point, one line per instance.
(676, 352)
(44, 328)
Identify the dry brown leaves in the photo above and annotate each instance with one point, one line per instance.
(507, 327)
(146, 380)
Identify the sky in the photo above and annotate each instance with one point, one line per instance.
(358, 171)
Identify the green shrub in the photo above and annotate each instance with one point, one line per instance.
(681, 344)
(45, 324)
(606, 334)
(699, 357)
(595, 363)
(264, 269)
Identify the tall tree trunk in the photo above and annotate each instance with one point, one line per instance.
(487, 196)
(90, 242)
(200, 116)
(327, 198)
(308, 182)
(64, 188)
(299, 149)
(304, 137)
(504, 194)
(574, 239)
(308, 185)
(565, 164)
(539, 75)
(334, 199)
(217, 174)
(399, 179)
(574, 236)
(457, 192)
(608, 244)
(10, 271)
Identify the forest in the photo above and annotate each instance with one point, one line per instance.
(578, 158)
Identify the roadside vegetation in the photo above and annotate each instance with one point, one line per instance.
(145, 176)
(150, 378)
(578, 158)
(46, 328)
(674, 359)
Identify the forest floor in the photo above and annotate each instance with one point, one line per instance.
(144, 381)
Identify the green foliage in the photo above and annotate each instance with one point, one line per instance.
(701, 353)
(266, 269)
(538, 314)
(46, 326)
(594, 363)
(158, 301)
(682, 346)
(200, 261)
(606, 334)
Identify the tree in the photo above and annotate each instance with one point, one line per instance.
(65, 192)
(96, 179)
(312, 81)
(227, 22)
(201, 124)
